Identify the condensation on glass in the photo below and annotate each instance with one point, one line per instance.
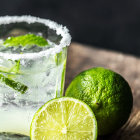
(41, 70)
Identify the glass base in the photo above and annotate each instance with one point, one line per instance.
(10, 136)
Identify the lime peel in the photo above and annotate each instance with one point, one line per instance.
(13, 84)
(107, 93)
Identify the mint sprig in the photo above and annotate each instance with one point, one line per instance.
(25, 40)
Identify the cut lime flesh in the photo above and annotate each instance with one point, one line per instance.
(13, 84)
(64, 119)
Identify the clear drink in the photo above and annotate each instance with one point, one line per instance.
(30, 75)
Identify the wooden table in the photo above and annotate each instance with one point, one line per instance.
(82, 57)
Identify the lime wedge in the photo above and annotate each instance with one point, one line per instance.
(60, 57)
(10, 74)
(16, 68)
(13, 84)
(4, 69)
(24, 40)
(64, 119)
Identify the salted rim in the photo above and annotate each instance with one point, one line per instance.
(60, 30)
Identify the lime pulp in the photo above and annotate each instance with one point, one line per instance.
(64, 118)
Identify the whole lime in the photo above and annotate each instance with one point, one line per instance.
(107, 93)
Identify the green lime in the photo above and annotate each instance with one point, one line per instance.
(64, 118)
(15, 69)
(107, 93)
(10, 74)
(13, 84)
(4, 69)
(24, 40)
(60, 57)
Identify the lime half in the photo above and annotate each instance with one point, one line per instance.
(64, 118)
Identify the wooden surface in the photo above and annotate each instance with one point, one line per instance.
(82, 57)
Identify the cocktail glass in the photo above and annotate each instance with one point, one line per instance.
(40, 76)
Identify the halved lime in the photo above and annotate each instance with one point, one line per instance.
(64, 118)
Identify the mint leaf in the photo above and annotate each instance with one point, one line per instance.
(25, 40)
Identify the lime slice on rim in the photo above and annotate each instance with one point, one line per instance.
(25, 40)
(64, 118)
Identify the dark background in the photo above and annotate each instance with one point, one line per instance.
(104, 23)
